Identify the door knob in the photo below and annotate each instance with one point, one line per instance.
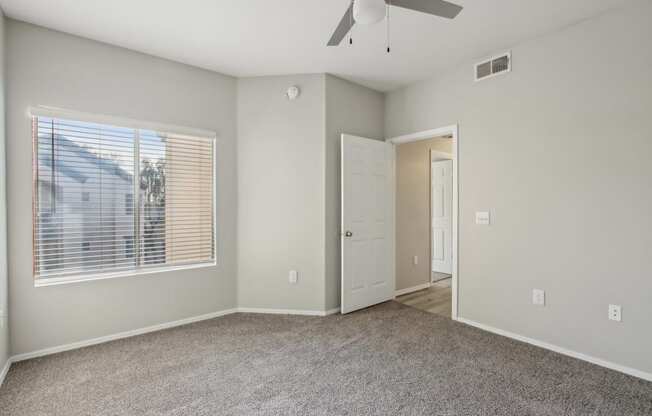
(348, 234)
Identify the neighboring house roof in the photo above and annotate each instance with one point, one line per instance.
(63, 166)
(66, 170)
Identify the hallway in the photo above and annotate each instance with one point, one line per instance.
(436, 299)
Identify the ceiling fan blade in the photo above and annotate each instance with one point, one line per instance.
(343, 28)
(439, 8)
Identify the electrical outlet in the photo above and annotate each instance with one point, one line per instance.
(293, 277)
(415, 260)
(538, 297)
(615, 313)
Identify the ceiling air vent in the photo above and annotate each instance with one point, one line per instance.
(496, 65)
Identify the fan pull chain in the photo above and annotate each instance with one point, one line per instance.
(389, 4)
(351, 24)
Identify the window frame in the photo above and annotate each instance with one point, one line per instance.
(42, 111)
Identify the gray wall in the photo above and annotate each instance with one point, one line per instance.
(288, 185)
(571, 211)
(55, 69)
(351, 109)
(4, 327)
(280, 193)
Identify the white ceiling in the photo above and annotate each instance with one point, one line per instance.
(265, 37)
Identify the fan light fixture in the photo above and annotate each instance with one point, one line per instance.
(367, 12)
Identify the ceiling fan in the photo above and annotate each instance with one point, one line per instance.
(368, 12)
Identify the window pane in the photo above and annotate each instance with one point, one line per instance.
(152, 197)
(176, 179)
(83, 171)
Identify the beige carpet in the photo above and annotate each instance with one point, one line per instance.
(386, 360)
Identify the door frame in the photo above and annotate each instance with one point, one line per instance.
(453, 131)
(440, 156)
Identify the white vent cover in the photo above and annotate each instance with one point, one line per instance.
(496, 65)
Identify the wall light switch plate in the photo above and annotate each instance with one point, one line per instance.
(415, 260)
(293, 277)
(538, 297)
(482, 218)
(615, 313)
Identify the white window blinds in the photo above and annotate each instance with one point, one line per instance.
(117, 200)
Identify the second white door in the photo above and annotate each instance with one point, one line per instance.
(442, 220)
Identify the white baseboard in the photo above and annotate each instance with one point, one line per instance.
(154, 328)
(5, 370)
(75, 345)
(120, 335)
(289, 311)
(597, 361)
(331, 312)
(412, 289)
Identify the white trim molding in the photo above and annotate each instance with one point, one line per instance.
(426, 134)
(75, 345)
(289, 311)
(54, 281)
(407, 290)
(155, 328)
(119, 335)
(5, 370)
(551, 347)
(331, 311)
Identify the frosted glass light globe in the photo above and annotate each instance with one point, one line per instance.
(367, 12)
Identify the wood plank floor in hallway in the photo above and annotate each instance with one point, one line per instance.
(436, 299)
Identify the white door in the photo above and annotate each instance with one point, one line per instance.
(442, 220)
(367, 218)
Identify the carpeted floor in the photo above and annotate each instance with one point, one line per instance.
(387, 360)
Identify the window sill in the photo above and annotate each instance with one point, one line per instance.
(54, 281)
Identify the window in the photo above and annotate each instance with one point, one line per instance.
(129, 204)
(129, 246)
(146, 200)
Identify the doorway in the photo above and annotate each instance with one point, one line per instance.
(426, 221)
